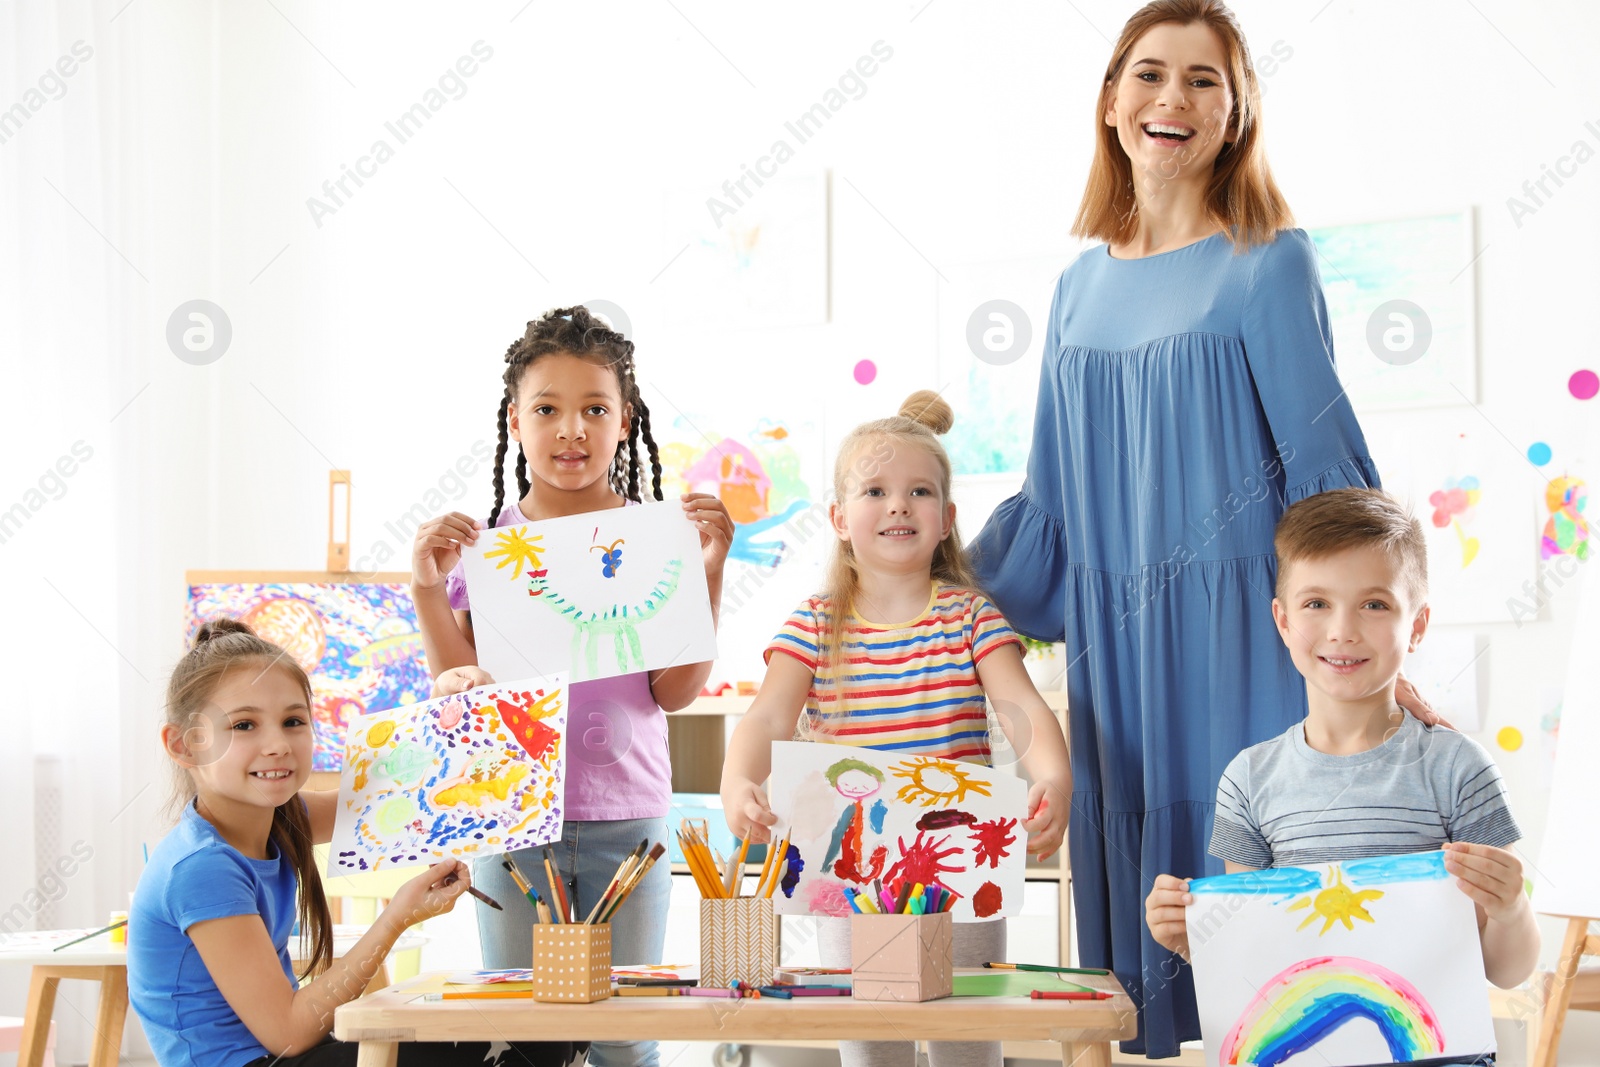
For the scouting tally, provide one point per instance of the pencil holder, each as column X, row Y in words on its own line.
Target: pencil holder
column 571, row 962
column 738, row 941
column 901, row 957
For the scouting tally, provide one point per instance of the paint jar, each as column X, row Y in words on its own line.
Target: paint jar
column 119, row 936
column 902, row 957
column 739, row 941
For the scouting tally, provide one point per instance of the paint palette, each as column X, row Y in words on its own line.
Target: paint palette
column 858, row 814
column 478, row 773
column 1367, row 962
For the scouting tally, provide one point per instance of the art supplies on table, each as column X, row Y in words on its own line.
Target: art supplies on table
column 811, row 976
column 92, row 933
column 719, row 879
column 1046, row 969
column 901, row 897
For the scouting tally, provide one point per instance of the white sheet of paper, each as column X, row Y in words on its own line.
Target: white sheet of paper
column 475, row 774
column 886, row 815
column 1370, row 961
column 597, row 595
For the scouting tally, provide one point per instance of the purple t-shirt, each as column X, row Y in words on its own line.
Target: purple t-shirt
column 617, row 761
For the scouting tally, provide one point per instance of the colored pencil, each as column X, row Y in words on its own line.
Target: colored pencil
column 95, row 933
column 692, row 859
column 778, row 866
column 766, row 867
column 735, row 886
column 1042, row 967
column 1063, row 994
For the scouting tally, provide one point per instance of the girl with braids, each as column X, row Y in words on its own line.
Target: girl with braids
column 918, row 686
column 208, row 960
column 572, row 405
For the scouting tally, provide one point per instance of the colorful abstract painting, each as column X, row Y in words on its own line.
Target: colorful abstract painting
column 759, row 482
column 858, row 814
column 589, row 596
column 1366, row 962
column 474, row 774
column 358, row 642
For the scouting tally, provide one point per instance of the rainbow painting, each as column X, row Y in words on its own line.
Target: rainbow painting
column 1369, row 960
column 1311, row 999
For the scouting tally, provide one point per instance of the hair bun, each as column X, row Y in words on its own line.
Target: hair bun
column 212, row 629
column 930, row 409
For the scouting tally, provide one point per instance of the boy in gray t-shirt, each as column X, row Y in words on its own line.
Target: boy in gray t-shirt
column 1359, row 777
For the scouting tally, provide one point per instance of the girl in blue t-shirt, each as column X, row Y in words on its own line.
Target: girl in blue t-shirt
column 208, row 933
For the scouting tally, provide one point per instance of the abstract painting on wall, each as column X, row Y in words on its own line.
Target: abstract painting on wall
column 589, row 596
column 858, row 814
column 1365, row 962
column 1402, row 309
column 358, row 641
column 477, row 773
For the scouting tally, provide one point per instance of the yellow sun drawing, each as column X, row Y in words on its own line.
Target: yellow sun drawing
column 937, row 781
column 1336, row 903
column 519, row 552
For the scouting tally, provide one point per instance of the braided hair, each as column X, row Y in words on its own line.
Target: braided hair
column 577, row 332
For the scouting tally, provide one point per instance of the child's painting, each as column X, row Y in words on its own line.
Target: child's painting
column 591, row 596
column 1366, row 962
column 858, row 814
column 478, row 773
column 1477, row 501
column 358, row 641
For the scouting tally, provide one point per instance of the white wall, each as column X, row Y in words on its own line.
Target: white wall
column 372, row 341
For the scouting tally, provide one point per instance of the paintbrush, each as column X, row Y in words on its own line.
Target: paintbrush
column 656, row 852
column 623, row 870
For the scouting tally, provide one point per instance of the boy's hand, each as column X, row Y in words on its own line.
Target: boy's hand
column 710, row 517
column 433, row 892
column 437, row 547
column 459, row 680
column 1164, row 912
column 1491, row 876
column 1048, row 801
column 744, row 806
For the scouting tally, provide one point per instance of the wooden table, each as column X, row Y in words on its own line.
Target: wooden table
column 98, row 960
column 1085, row 1029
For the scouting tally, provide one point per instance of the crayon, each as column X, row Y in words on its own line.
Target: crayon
column 1063, row 994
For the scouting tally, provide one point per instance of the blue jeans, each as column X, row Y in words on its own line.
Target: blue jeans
column 588, row 854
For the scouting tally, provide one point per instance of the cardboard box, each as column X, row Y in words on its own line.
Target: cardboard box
column 901, row 957
column 571, row 962
column 739, row 939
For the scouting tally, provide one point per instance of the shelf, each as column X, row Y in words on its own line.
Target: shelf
column 738, row 705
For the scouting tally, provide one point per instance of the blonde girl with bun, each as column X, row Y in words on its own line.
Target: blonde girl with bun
column 900, row 651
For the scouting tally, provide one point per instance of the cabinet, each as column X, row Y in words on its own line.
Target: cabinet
column 697, row 738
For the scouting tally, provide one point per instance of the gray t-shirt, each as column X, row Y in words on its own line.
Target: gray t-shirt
column 1284, row 804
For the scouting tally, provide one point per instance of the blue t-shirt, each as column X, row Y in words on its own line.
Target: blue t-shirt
column 195, row 875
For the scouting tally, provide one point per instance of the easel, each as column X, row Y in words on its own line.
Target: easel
column 1567, row 990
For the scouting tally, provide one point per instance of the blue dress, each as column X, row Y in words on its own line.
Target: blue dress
column 1185, row 400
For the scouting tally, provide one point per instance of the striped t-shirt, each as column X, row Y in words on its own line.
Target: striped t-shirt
column 909, row 686
column 1284, row 804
